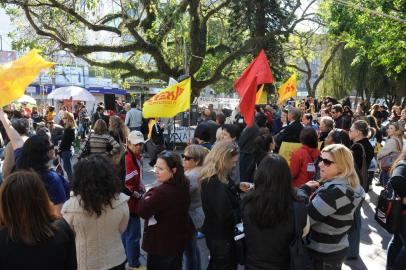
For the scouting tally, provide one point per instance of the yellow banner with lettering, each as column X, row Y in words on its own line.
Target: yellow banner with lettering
column 169, row 102
column 288, row 89
column 17, row 75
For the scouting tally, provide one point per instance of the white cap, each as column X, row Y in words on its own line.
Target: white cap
column 135, row 137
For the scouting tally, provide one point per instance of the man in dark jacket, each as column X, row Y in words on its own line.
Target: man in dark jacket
column 291, row 132
column 209, row 124
column 341, row 121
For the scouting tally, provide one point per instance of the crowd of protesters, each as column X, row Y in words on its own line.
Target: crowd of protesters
column 67, row 208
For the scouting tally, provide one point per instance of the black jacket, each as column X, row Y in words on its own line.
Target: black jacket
column 59, row 252
column 268, row 248
column 357, row 153
column 291, row 133
column 221, row 206
column 247, row 139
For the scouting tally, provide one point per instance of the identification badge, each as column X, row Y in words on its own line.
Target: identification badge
column 152, row 221
column 311, row 168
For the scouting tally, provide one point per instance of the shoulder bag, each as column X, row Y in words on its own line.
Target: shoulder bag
column 86, row 149
column 388, row 210
column 386, row 162
column 299, row 256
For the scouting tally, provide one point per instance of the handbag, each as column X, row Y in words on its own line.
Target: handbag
column 86, row 149
column 240, row 245
column 388, row 211
column 299, row 256
column 386, row 162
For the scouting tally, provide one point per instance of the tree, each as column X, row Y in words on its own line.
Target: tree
column 306, row 47
column 148, row 39
column 375, row 36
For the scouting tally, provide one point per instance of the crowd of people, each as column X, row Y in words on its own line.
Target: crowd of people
column 67, row 208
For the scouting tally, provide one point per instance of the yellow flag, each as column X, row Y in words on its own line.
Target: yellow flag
column 288, row 89
column 261, row 97
column 17, row 75
column 170, row 101
column 287, row 148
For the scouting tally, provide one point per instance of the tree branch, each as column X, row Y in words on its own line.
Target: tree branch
column 296, row 67
column 226, row 61
column 94, row 27
column 124, row 65
column 327, row 63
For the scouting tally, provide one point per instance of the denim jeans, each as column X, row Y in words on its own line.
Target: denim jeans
column 354, row 235
column 131, row 240
column 192, row 255
column 67, row 166
column 396, row 258
column 328, row 261
column 155, row 262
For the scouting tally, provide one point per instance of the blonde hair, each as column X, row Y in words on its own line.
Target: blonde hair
column 70, row 123
column 344, row 160
column 197, row 152
column 216, row 161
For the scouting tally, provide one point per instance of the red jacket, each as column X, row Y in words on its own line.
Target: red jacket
column 133, row 172
column 299, row 162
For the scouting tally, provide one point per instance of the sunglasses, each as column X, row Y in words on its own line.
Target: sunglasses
column 326, row 162
column 187, row 157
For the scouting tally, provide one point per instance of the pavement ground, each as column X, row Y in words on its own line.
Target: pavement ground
column 374, row 239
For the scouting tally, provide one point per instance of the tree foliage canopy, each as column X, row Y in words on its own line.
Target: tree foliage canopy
column 373, row 61
column 153, row 39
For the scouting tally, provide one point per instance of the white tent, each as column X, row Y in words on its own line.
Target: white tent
column 74, row 92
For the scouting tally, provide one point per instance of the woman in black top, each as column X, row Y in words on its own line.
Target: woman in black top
column 31, row 236
column 65, row 147
column 397, row 246
column 220, row 202
column 268, row 216
column 363, row 152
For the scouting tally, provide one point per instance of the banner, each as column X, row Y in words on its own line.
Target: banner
column 288, row 89
column 287, row 148
column 261, row 96
column 17, row 75
column 169, row 102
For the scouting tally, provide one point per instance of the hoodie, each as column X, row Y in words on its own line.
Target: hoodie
column 331, row 211
column 300, row 164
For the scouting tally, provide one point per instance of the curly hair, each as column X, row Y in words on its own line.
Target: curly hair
column 96, row 182
column 34, row 153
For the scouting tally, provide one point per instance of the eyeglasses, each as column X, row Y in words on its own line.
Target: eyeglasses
column 187, row 157
column 333, row 112
column 326, row 162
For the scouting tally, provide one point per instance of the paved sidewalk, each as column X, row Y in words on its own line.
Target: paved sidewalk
column 374, row 239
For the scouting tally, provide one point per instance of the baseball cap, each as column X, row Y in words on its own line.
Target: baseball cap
column 135, row 137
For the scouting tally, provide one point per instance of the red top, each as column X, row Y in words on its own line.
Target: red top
column 133, row 181
column 299, row 164
column 167, row 227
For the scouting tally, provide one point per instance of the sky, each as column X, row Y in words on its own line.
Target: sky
column 5, row 27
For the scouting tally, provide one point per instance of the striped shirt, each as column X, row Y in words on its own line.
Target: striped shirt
column 331, row 213
column 99, row 144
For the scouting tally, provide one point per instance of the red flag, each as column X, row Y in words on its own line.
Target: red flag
column 257, row 73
